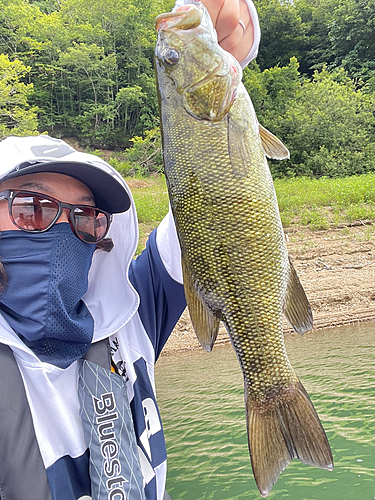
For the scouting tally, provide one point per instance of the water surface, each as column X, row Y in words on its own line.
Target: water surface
column 201, row 402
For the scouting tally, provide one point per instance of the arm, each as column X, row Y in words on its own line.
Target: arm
column 162, row 298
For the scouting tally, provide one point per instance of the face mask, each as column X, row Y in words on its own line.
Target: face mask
column 42, row 301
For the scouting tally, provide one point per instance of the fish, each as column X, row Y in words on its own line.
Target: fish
column 235, row 264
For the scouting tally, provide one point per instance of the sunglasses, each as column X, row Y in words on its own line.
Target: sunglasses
column 36, row 213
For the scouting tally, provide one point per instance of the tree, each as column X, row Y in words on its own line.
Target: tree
column 273, row 90
column 352, row 35
column 282, row 32
column 16, row 116
column 82, row 55
column 330, row 127
column 327, row 123
column 87, row 73
column 316, row 17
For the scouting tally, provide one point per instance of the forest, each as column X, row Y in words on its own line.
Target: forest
column 84, row 69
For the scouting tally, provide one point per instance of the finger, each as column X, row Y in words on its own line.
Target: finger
column 214, row 7
column 227, row 20
column 239, row 49
column 225, row 15
column 240, row 41
column 232, row 41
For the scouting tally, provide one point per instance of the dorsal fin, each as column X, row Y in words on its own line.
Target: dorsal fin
column 272, row 146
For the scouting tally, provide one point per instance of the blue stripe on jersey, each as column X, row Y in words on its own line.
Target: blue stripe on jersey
column 69, row 477
column 150, row 490
column 162, row 299
column 146, row 417
column 147, row 423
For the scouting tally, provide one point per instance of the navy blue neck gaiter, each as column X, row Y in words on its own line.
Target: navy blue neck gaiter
column 42, row 301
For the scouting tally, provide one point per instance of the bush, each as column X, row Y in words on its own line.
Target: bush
column 326, row 123
column 123, row 167
column 145, row 154
column 16, row 116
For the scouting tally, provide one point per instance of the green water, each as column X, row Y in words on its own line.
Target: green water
column 201, row 403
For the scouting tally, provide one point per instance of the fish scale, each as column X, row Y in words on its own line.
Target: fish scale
column 235, row 263
column 210, row 219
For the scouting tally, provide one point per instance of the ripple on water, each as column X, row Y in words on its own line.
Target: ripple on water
column 201, row 402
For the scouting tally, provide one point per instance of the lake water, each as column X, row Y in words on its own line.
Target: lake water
column 201, row 403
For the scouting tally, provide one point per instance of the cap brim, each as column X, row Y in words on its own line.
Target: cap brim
column 110, row 195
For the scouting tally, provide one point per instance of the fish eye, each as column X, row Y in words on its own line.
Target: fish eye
column 171, row 56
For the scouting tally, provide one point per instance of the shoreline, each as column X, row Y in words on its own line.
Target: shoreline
column 183, row 338
column 337, row 270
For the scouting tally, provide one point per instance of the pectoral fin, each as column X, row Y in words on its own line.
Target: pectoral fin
column 297, row 309
column 206, row 325
column 272, row 146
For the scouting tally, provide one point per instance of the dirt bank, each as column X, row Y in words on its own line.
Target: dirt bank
column 337, row 270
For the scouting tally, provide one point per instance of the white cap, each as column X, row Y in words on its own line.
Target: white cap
column 29, row 155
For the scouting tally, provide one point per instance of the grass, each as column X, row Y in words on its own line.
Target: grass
column 302, row 191
column 320, row 203
column 316, row 203
column 151, row 199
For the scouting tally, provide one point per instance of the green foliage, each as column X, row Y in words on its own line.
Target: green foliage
column 316, row 18
column 317, row 203
column 145, row 154
column 88, row 72
column 142, row 159
column 332, row 32
column 327, row 123
column 314, row 218
column 151, row 200
column 274, row 89
column 151, row 206
column 122, row 166
column 91, row 65
column 302, row 192
column 352, row 37
column 16, row 116
column 282, row 32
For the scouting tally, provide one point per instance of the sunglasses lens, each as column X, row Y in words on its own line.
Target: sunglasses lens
column 32, row 212
column 90, row 224
column 35, row 213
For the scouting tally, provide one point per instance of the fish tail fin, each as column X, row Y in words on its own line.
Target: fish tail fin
column 287, row 427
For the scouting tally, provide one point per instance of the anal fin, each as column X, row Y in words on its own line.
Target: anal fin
column 285, row 428
column 297, row 309
column 205, row 324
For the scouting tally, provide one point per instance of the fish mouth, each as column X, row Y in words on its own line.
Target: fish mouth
column 186, row 17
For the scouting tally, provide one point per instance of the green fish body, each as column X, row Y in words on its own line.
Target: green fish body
column 235, row 263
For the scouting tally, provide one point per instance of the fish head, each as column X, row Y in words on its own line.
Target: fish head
column 190, row 62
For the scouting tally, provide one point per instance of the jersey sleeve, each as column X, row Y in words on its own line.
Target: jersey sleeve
column 162, row 299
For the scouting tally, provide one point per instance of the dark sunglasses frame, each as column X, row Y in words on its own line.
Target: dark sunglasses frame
column 11, row 194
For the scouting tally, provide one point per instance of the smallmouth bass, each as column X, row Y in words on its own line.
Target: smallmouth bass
column 235, row 263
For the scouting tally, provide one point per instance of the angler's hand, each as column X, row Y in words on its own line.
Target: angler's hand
column 233, row 37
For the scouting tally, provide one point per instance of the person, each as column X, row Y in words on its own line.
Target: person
column 82, row 323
